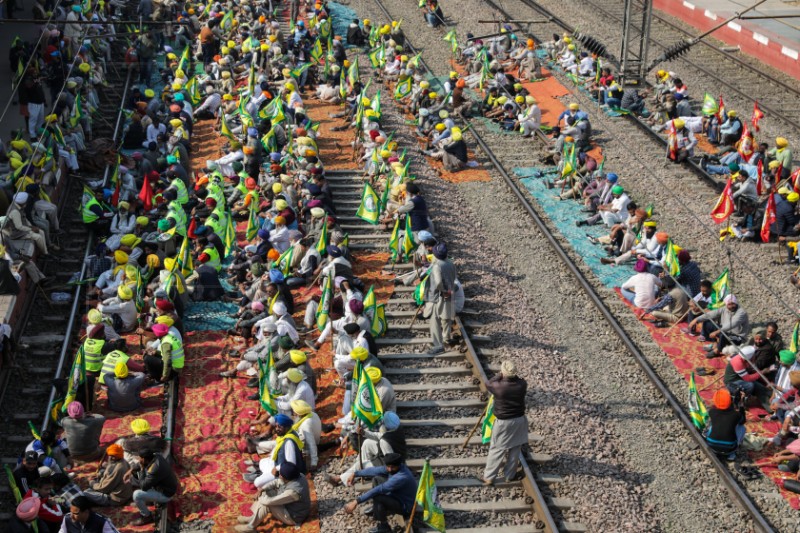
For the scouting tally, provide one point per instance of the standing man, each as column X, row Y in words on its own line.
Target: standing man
column 439, row 299
column 510, row 430
column 393, row 491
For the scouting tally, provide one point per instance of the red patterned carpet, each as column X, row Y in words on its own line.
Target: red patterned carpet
column 687, row 354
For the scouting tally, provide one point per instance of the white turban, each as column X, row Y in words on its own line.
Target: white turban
column 279, row 308
column 21, row 198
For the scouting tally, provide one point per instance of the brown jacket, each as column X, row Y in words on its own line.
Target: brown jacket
column 111, row 482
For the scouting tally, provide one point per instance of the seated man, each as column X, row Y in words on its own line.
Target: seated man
column 82, row 432
column 727, row 325
column 287, row 498
column 726, row 427
column 157, row 483
column 375, row 446
column 109, row 488
column 394, row 491
column 124, row 389
column 670, row 308
column 288, row 449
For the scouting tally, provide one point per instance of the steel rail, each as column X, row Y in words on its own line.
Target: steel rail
column 539, row 502
column 76, row 295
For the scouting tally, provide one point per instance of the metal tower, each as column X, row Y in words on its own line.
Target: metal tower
column 635, row 39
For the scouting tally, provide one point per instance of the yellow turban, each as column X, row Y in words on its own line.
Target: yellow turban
column 294, row 375
column 298, row 356
column 374, row 374
column 166, row 320
column 169, row 262
column 121, row 370
column 359, row 353
column 94, row 316
column 120, row 257
column 130, row 240
column 300, row 407
column 140, row 426
column 153, row 261
column 781, row 142
column 142, row 221
column 124, row 292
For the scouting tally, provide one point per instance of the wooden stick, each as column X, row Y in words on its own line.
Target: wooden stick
column 722, row 375
column 411, row 517
column 474, row 429
column 102, row 460
column 416, row 315
column 676, row 323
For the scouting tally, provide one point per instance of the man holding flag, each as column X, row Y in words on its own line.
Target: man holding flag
column 510, row 429
column 393, row 492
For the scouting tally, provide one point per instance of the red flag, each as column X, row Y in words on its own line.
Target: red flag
column 115, row 196
column 721, row 112
column 778, row 173
column 192, row 226
column 769, row 218
column 757, row 115
column 672, row 141
column 146, row 195
column 794, row 179
column 745, row 148
column 760, row 177
column 724, row 206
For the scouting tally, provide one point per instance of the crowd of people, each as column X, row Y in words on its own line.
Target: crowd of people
column 667, row 287
column 166, row 238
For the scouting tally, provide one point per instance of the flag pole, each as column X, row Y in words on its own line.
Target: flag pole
column 474, row 429
column 413, row 512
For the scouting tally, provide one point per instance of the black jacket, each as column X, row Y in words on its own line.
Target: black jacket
column 509, row 396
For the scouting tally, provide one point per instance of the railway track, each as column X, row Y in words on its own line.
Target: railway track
column 515, row 149
column 440, row 397
column 47, row 339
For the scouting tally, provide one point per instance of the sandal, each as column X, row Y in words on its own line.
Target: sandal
column 705, row 371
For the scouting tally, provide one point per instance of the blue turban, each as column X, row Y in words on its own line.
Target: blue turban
column 391, row 421
column 262, row 233
column 202, row 230
column 333, row 251
column 275, row 276
column 440, row 251
column 313, row 189
column 283, row 420
column 275, row 156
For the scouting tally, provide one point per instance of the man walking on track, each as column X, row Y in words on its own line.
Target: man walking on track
column 510, row 429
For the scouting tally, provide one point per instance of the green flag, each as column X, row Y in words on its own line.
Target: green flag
column 366, row 405
column 324, row 308
column 488, row 422
column 671, row 260
column 269, row 142
column 428, row 499
column 193, row 90
column 697, row 409
column 369, row 210
column 284, row 262
column 77, row 111
column 394, row 243
column 376, row 106
column 352, row 73
column 719, row 290
column 224, row 129
column 794, row 344
column 230, row 237
column 12, row 483
column 377, row 56
column 710, row 106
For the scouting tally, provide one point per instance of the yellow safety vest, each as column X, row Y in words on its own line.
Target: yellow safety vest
column 88, row 215
column 110, row 362
column 214, row 261
column 176, row 353
column 183, row 194
column 93, row 348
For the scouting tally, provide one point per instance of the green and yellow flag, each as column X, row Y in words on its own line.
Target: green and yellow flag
column 12, row 483
column 230, row 237
column 369, row 210
column 77, row 377
column 710, row 106
column 794, row 344
column 264, row 394
column 194, row 91
column 419, row 291
column 488, row 422
column 224, row 129
column 252, row 223
column 408, row 239
column 428, row 499
column 352, row 73
column 697, row 409
column 719, row 290
column 183, row 64
column 324, row 307
column 269, row 142
column 324, row 239
column 377, row 56
column 185, row 258
column 378, row 324
column 366, row 405
column 394, row 243
column 452, row 39
column 227, row 21
column 671, row 260
column 403, row 88
column 77, row 111
column 284, row 262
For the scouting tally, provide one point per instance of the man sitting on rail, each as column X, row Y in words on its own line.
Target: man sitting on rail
column 394, row 489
